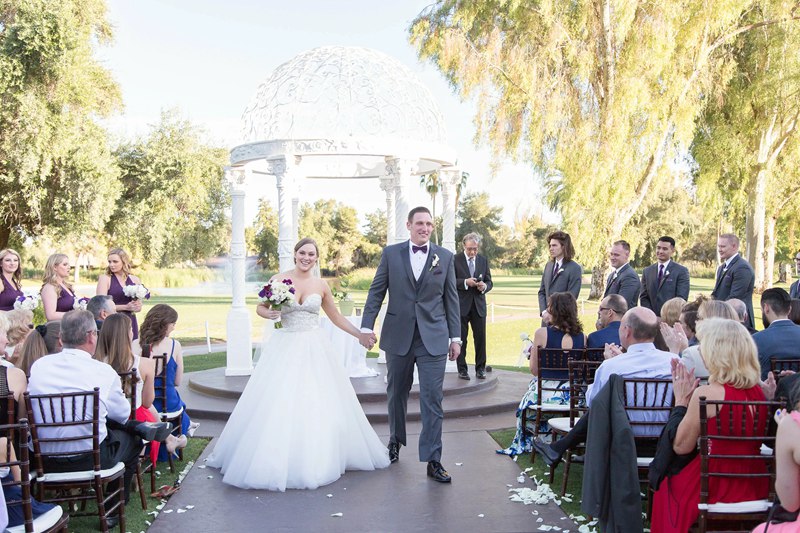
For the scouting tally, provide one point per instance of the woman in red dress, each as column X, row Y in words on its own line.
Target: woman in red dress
column 731, row 357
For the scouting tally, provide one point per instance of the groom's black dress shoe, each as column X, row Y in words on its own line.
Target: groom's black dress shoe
column 437, row 472
column 549, row 455
column 394, row 452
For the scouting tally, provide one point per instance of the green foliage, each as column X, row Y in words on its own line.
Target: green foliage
column 476, row 214
column 335, row 228
column 174, row 199
column 265, row 236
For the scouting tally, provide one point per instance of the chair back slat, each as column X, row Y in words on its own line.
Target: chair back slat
column 160, row 382
column 21, row 431
column 129, row 380
column 581, row 375
column 648, row 403
column 595, row 354
column 779, row 364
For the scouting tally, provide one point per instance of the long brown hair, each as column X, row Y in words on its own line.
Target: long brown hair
column 154, row 327
column 563, row 309
column 16, row 277
column 114, row 343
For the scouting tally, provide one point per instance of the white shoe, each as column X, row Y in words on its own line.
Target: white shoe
column 192, row 428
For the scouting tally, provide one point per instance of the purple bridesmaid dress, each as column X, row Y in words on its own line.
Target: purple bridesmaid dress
column 118, row 295
column 9, row 295
column 65, row 302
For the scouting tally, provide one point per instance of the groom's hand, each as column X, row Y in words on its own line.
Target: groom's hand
column 455, row 351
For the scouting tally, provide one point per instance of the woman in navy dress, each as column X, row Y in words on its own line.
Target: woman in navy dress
column 11, row 267
column 57, row 294
column 118, row 274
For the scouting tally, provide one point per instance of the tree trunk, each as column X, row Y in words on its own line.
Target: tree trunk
column 598, row 283
column 5, row 236
column 769, row 270
column 783, row 272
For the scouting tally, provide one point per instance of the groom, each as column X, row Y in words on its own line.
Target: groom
column 422, row 327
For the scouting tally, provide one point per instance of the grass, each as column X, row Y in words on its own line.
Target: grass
column 137, row 519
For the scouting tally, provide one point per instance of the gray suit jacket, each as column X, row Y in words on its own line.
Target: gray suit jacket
column 794, row 289
column 431, row 303
column 736, row 282
column 568, row 279
column 626, row 285
column 675, row 283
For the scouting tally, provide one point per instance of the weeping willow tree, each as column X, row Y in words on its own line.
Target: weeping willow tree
column 596, row 94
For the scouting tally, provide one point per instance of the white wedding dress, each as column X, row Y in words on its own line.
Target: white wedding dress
column 298, row 423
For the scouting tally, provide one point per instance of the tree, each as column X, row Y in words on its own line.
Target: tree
column 173, row 204
column 475, row 214
column 430, row 182
column 265, row 236
column 55, row 167
column 335, row 228
column 595, row 94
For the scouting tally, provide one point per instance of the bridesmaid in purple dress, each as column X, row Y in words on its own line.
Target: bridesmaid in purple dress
column 11, row 268
column 118, row 274
column 57, row 294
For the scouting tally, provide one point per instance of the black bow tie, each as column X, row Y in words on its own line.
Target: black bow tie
column 423, row 248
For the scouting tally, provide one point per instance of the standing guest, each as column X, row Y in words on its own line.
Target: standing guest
column 118, row 275
column 741, row 311
column 735, row 277
column 43, row 340
column 20, row 325
column 609, row 316
column 794, row 311
column 11, row 267
column 623, row 280
column 781, row 337
column 101, row 306
column 794, row 289
column 671, row 311
column 561, row 273
column 57, row 295
column 473, row 281
column 664, row 279
column 155, row 339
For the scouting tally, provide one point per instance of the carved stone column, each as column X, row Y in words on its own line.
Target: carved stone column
column 402, row 169
column 297, row 187
column 449, row 180
column 281, row 169
column 388, row 186
column 240, row 347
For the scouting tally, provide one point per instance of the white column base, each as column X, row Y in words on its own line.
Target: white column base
column 240, row 345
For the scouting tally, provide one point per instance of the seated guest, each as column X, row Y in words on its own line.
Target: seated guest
column 787, row 458
column 74, row 370
column 609, row 314
column 690, row 356
column 741, row 311
column 11, row 379
column 794, row 311
column 43, row 341
column 20, row 324
column 641, row 360
column 671, row 310
column 732, row 361
column 563, row 331
column 688, row 318
column 16, row 516
column 781, row 337
column 101, row 306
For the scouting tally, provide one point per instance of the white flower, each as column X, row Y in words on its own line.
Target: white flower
column 136, row 291
column 666, row 273
column 524, row 336
column 80, row 304
column 435, row 261
column 560, row 270
column 28, row 301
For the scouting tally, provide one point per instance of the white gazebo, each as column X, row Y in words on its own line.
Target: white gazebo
column 330, row 113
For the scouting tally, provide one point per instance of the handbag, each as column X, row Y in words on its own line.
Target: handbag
column 779, row 515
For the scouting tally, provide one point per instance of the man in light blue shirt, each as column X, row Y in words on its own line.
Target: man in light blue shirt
column 637, row 332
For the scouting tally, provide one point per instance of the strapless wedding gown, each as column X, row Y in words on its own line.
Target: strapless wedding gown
column 298, row 423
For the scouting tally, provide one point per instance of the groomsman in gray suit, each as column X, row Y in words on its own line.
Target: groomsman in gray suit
column 623, row 280
column 735, row 277
column 794, row 290
column 422, row 327
column 664, row 279
column 561, row 273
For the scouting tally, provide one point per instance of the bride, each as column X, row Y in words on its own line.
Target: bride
column 298, row 423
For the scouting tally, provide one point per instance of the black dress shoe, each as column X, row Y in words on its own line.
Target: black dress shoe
column 549, row 455
column 463, row 375
column 154, row 431
column 394, row 452
column 480, row 374
column 112, row 521
column 438, row 473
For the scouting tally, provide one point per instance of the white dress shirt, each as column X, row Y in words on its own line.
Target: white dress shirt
column 74, row 370
column 418, row 259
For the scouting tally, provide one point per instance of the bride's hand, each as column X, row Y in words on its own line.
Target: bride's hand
column 273, row 314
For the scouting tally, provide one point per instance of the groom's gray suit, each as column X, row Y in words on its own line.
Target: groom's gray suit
column 422, row 317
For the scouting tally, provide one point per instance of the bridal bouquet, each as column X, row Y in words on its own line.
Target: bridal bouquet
column 527, row 344
column 28, row 302
column 277, row 293
column 80, row 304
column 136, row 291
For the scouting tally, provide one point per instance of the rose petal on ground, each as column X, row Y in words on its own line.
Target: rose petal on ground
column 337, row 515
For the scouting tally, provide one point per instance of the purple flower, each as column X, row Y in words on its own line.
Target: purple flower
column 291, row 290
column 287, row 282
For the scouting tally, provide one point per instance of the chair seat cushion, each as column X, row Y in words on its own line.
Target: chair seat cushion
column 83, row 475
column 643, row 462
column 560, row 424
column 754, row 506
column 172, row 414
column 42, row 522
column 549, row 407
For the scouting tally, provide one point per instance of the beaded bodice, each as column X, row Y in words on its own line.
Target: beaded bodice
column 302, row 317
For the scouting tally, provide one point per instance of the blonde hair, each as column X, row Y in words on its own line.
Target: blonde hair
column 729, row 353
column 20, row 323
column 671, row 310
column 50, row 275
column 4, row 323
column 16, row 277
column 124, row 258
column 717, row 309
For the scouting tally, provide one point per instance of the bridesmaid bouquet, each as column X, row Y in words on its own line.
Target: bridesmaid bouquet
column 136, row 291
column 29, row 302
column 80, row 304
column 276, row 294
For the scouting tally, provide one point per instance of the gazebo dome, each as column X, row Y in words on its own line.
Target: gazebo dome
column 343, row 92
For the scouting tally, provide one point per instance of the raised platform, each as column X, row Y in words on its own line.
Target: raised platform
column 212, row 395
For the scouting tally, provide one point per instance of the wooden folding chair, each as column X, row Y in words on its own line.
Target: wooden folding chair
column 779, row 364
column 737, row 421
column 52, row 521
column 76, row 416
column 175, row 417
column 129, row 380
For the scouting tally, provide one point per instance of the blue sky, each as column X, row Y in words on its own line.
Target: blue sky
column 207, row 58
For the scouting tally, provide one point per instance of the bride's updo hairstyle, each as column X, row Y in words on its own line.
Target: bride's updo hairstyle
column 306, row 240
column 154, row 327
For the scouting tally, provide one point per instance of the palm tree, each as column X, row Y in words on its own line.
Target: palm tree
column 430, row 182
column 460, row 186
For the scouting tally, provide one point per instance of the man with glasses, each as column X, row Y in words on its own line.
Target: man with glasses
column 473, row 281
column 794, row 290
column 609, row 316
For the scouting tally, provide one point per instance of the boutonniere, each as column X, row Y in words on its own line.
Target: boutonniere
column 666, row 273
column 614, row 276
column 435, row 262
column 560, row 270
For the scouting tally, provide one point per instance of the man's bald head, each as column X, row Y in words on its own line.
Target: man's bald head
column 639, row 325
column 739, row 307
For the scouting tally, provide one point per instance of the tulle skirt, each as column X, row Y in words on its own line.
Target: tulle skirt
column 298, row 423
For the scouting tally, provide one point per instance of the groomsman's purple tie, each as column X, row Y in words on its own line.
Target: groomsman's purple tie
column 660, row 273
column 555, row 269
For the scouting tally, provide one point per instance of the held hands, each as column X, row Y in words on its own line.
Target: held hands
column 471, row 282
column 683, row 383
column 481, row 286
column 367, row 340
column 455, row 351
column 675, row 337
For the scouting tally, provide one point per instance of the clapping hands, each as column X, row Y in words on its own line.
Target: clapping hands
column 675, row 337
column 683, row 383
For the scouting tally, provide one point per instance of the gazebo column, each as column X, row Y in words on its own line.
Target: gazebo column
column 284, row 182
column 239, row 358
column 388, row 186
column 402, row 169
column 449, row 179
column 297, row 187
